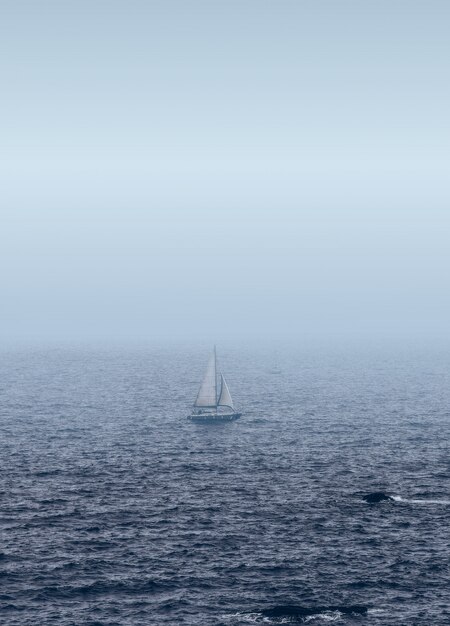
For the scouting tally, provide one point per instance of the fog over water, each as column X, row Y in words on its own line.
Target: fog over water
column 212, row 170
column 270, row 176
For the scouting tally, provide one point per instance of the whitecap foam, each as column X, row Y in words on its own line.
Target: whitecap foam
column 328, row 616
column 250, row 618
column 414, row 501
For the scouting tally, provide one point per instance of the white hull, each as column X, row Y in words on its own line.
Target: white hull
column 210, row 418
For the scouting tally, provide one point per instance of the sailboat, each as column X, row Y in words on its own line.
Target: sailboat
column 211, row 406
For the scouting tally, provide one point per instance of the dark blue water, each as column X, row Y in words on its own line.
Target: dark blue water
column 116, row 510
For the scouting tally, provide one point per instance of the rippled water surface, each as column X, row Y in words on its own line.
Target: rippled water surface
column 116, row 510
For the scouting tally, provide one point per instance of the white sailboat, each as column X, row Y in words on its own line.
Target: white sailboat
column 211, row 406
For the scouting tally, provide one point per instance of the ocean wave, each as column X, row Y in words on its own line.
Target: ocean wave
column 289, row 614
column 105, row 588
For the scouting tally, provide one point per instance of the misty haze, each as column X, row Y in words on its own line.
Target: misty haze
column 224, row 320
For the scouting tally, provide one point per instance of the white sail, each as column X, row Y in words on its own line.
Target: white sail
column 207, row 395
column 225, row 396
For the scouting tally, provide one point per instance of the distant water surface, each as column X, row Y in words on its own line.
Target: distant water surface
column 117, row 511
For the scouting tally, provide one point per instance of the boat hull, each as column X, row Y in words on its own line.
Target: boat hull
column 214, row 418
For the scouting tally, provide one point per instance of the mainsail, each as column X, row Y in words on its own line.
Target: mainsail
column 225, row 396
column 207, row 395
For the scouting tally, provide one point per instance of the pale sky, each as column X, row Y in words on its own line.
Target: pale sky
column 224, row 168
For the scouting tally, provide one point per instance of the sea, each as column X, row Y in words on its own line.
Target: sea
column 115, row 510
